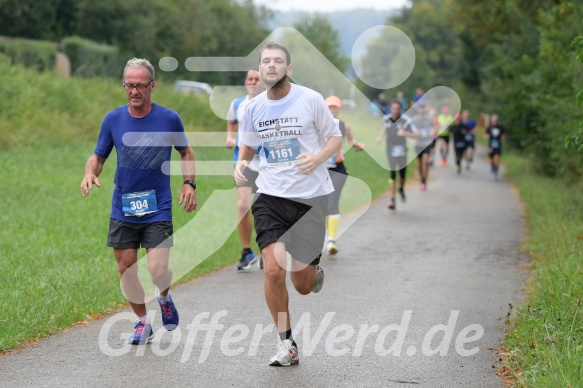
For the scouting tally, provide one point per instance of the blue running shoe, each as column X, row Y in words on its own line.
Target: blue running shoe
column 247, row 260
column 170, row 316
column 142, row 335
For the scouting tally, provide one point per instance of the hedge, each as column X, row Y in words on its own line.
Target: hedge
column 36, row 54
column 91, row 59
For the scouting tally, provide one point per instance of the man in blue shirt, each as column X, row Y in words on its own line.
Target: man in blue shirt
column 419, row 95
column 143, row 134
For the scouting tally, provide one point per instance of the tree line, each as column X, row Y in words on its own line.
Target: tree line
column 158, row 28
column 145, row 28
column 511, row 57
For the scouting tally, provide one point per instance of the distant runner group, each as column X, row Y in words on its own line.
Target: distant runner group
column 430, row 131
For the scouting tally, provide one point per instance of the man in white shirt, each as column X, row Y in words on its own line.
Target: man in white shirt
column 297, row 134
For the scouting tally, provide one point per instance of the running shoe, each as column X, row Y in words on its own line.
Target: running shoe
column 443, row 162
column 286, row 356
column 170, row 316
column 247, row 260
column 319, row 279
column 332, row 247
column 459, row 169
column 423, row 186
column 142, row 335
column 392, row 205
column 402, row 193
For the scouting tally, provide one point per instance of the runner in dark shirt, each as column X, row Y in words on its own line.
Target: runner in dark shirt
column 495, row 133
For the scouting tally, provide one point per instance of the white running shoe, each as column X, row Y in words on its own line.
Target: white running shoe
column 286, row 356
column 319, row 279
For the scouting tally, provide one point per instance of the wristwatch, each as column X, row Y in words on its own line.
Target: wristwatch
column 190, row 182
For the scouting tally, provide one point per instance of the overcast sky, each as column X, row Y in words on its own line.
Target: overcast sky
column 330, row 5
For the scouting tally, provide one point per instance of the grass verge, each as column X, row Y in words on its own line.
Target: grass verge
column 544, row 346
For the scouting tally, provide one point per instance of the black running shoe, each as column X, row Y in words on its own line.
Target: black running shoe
column 402, row 193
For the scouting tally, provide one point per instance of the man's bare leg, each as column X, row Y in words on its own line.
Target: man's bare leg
column 274, row 266
column 130, row 283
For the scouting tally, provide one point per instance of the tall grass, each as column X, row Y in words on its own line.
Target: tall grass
column 47, row 108
column 545, row 345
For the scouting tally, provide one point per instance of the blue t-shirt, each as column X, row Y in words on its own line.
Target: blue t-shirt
column 147, row 144
column 469, row 126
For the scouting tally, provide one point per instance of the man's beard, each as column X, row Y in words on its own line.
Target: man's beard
column 277, row 84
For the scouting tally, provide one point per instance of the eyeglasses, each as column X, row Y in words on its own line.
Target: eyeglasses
column 138, row 87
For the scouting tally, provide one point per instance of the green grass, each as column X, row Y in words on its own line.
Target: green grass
column 56, row 267
column 49, row 109
column 545, row 345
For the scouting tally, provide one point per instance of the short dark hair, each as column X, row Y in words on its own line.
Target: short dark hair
column 397, row 102
column 275, row 45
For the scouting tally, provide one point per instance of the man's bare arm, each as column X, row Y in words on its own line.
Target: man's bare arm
column 93, row 169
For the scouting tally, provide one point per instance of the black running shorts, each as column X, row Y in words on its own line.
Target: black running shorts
column 421, row 151
column 494, row 151
column 444, row 138
column 299, row 223
column 125, row 235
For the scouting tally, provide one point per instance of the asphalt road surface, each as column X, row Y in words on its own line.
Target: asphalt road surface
column 418, row 297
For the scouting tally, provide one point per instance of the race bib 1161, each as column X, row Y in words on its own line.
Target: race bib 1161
column 281, row 152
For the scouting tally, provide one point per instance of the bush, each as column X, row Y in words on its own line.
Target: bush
column 91, row 59
column 36, row 54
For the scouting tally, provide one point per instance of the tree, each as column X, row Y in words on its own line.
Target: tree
column 425, row 22
column 387, row 61
column 221, row 28
column 528, row 73
column 26, row 18
column 576, row 138
column 319, row 31
column 438, row 48
column 142, row 28
column 312, row 67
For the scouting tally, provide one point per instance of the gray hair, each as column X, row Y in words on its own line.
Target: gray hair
column 140, row 62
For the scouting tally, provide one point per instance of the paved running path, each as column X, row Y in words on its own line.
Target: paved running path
column 452, row 248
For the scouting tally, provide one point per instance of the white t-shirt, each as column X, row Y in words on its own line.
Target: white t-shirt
column 298, row 123
column 237, row 117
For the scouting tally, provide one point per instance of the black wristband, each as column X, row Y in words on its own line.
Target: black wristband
column 190, row 182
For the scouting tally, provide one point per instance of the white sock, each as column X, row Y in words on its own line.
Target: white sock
column 144, row 318
column 162, row 298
